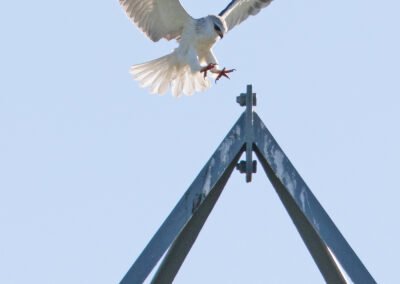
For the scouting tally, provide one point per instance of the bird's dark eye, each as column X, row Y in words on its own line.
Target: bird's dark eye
column 217, row 28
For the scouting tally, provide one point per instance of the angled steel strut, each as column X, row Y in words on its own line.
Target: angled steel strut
column 334, row 257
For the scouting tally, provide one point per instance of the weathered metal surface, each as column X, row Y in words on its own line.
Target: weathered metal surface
column 184, row 242
column 330, row 250
column 216, row 168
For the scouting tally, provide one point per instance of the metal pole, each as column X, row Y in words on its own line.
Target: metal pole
column 329, row 249
column 217, row 168
column 185, row 240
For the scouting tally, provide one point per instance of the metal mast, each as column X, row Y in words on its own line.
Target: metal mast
column 329, row 249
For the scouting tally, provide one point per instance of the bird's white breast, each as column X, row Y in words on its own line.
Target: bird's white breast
column 205, row 44
column 198, row 37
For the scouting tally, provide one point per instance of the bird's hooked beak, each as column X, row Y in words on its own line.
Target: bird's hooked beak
column 221, row 35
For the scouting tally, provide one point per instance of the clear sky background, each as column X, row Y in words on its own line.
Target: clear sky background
column 91, row 164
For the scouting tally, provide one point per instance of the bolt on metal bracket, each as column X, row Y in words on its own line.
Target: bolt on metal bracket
column 248, row 99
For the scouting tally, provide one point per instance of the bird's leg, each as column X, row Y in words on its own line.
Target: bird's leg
column 207, row 68
column 222, row 72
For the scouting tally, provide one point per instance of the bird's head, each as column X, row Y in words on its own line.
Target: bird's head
column 218, row 25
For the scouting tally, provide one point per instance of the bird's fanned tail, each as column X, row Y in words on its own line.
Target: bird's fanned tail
column 167, row 72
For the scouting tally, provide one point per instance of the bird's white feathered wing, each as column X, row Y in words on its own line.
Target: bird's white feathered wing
column 157, row 18
column 169, row 72
column 164, row 19
column 239, row 10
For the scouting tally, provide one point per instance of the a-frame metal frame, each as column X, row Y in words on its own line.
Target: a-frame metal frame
column 334, row 257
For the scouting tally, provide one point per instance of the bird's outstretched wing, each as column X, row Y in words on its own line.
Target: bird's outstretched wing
column 239, row 10
column 157, row 18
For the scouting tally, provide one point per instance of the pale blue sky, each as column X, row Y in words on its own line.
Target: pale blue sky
column 91, row 164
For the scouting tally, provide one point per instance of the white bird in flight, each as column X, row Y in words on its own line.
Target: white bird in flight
column 185, row 69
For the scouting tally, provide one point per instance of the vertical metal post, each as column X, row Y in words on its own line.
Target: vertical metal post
column 248, row 99
column 249, row 133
